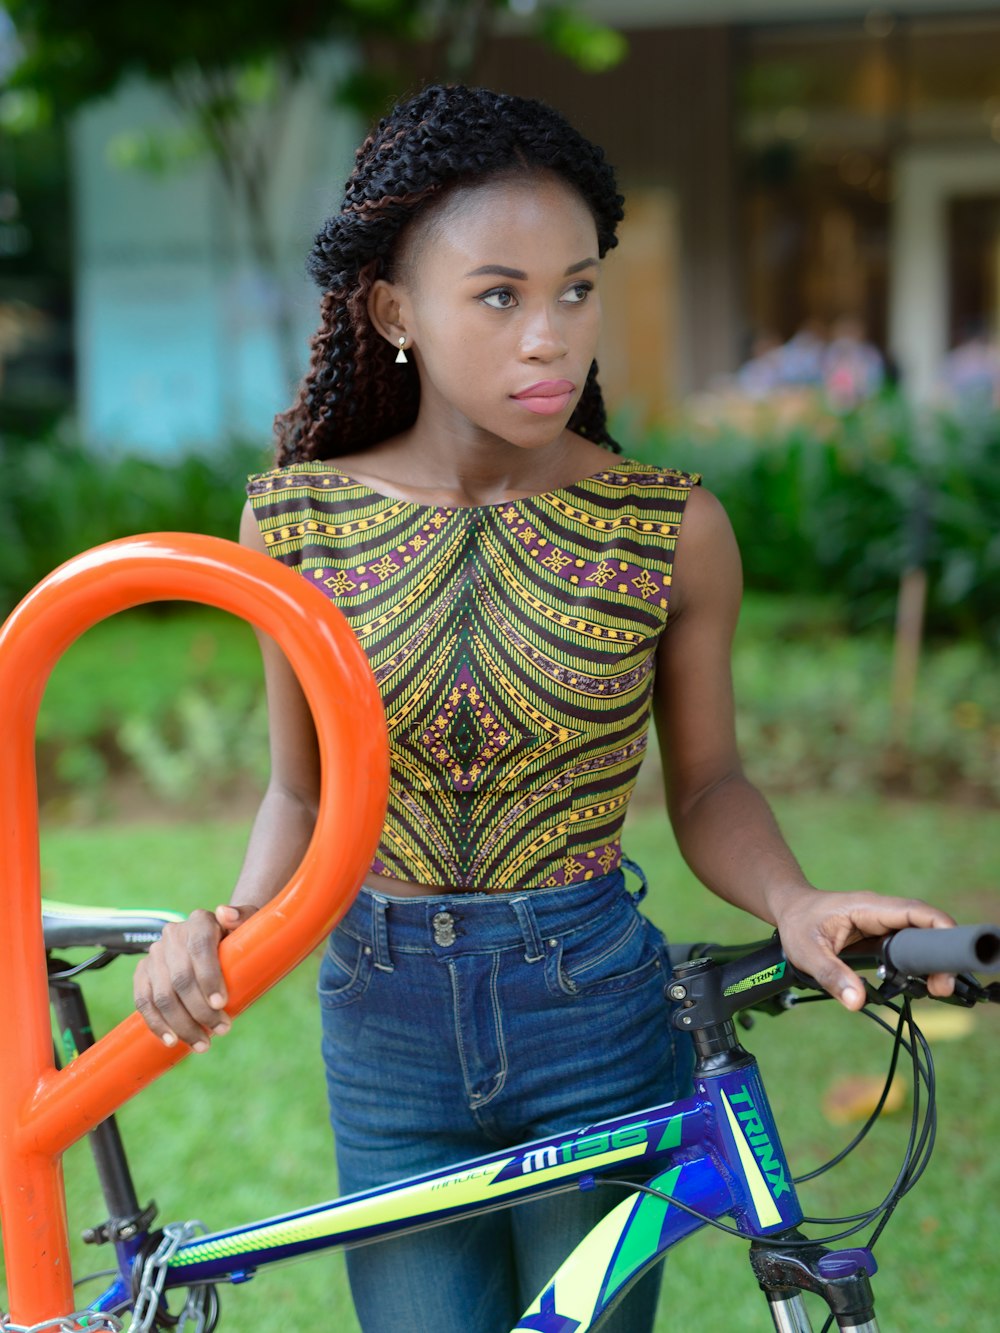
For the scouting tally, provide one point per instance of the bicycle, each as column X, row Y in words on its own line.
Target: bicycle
column 713, row 1155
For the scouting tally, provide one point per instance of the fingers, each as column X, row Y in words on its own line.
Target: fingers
column 839, row 980
column 886, row 914
column 179, row 988
column 818, row 927
column 941, row 985
column 876, row 915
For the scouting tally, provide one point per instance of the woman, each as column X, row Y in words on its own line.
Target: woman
column 446, row 477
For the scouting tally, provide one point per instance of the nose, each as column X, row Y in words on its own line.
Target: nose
column 542, row 337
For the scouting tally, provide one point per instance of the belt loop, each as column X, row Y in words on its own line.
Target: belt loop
column 525, row 913
column 380, row 934
column 636, row 870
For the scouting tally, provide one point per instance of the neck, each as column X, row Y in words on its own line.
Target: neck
column 474, row 467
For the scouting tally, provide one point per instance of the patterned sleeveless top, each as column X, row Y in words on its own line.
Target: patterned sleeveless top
column 514, row 649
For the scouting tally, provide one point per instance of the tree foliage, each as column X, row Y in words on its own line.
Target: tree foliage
column 232, row 71
column 73, row 51
column 76, row 50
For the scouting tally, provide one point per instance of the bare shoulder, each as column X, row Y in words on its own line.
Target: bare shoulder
column 250, row 533
column 590, row 457
column 705, row 518
column 707, row 559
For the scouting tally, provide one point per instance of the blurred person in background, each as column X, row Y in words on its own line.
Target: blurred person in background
column 853, row 368
column 801, row 358
column 970, row 373
column 760, row 375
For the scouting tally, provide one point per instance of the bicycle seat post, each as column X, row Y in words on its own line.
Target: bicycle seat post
column 126, row 1218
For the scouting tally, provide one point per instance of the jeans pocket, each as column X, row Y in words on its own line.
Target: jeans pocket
column 616, row 955
column 345, row 971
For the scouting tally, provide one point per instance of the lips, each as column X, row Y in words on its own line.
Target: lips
column 547, row 397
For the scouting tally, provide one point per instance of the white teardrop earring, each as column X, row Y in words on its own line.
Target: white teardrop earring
column 401, row 357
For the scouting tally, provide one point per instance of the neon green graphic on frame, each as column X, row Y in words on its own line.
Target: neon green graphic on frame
column 607, row 1257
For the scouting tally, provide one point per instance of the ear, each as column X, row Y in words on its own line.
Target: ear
column 386, row 311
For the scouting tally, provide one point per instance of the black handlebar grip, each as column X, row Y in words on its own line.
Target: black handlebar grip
column 917, row 953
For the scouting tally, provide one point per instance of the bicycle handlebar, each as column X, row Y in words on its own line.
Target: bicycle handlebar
column 715, row 983
column 914, row 951
column 918, row 953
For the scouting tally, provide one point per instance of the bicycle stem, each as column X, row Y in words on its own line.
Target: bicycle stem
column 711, row 994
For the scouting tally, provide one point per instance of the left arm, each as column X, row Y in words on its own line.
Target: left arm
column 724, row 827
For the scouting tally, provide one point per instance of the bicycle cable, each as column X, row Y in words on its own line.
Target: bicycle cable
column 922, row 1073
column 872, row 1118
column 920, row 1143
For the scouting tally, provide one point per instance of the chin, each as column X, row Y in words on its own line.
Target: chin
column 537, row 434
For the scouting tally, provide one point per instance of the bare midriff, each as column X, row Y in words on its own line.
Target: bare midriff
column 401, row 888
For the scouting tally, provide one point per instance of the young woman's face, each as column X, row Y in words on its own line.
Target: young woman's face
column 501, row 304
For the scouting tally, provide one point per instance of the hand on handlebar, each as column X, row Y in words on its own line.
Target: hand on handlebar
column 815, row 928
column 179, row 988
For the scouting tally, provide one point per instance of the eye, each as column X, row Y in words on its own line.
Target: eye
column 578, row 293
column 500, row 298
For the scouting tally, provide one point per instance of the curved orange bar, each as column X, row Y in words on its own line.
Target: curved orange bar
column 43, row 1110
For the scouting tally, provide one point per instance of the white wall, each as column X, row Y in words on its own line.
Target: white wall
column 925, row 180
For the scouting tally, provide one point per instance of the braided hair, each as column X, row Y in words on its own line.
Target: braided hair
column 353, row 395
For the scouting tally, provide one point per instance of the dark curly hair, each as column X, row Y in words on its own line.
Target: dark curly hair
column 353, row 395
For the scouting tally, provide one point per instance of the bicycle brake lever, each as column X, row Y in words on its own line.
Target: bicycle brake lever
column 967, row 993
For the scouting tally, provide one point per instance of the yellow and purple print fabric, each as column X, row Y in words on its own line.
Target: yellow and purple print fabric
column 514, row 649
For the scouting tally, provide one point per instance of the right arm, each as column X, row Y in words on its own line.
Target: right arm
column 178, row 987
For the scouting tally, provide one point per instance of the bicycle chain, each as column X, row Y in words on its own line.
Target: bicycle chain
column 154, row 1276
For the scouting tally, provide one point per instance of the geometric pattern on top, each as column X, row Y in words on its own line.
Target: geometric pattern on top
column 513, row 646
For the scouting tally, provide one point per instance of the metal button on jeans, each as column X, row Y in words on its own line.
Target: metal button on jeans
column 444, row 928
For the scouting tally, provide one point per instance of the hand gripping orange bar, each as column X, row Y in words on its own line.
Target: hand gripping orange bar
column 43, row 1110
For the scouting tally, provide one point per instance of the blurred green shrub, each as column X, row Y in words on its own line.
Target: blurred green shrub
column 199, row 746
column 60, row 498
column 813, row 710
column 820, row 502
column 843, row 504
column 163, row 710
column 829, row 508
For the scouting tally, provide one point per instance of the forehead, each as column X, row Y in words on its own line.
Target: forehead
column 505, row 221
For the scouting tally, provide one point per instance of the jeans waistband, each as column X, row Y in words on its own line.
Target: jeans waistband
column 461, row 923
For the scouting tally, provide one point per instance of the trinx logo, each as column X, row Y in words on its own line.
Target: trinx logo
column 757, row 1136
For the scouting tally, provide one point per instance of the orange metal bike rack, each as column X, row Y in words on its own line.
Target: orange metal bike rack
column 42, row 1109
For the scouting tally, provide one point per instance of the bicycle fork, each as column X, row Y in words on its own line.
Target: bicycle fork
column 840, row 1277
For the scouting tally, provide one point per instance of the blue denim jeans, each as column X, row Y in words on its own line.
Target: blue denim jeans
column 520, row 1015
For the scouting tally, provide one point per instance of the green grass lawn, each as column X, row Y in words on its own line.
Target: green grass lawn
column 241, row 1132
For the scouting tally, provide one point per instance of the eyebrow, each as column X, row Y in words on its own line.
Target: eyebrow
column 502, row 271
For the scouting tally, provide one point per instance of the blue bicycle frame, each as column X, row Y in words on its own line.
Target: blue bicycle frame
column 718, row 1152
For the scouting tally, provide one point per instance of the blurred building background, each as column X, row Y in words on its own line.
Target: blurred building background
column 787, row 164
